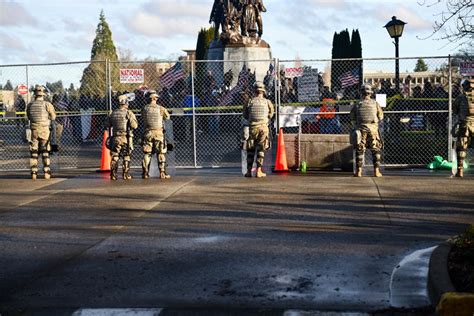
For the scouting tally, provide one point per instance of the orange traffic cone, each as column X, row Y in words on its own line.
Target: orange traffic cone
column 281, row 162
column 105, row 160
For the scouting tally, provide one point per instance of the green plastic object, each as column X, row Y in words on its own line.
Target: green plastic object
column 303, row 167
column 440, row 163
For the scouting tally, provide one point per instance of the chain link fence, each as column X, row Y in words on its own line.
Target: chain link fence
column 312, row 97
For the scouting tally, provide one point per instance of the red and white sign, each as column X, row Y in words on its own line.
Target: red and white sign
column 22, row 89
column 293, row 72
column 467, row 68
column 132, row 75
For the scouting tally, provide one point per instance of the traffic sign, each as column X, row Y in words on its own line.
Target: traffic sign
column 22, row 89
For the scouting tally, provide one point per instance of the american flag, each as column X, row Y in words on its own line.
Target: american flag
column 64, row 120
column 172, row 75
column 271, row 69
column 349, row 78
column 228, row 97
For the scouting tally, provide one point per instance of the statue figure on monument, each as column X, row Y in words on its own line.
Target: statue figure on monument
column 219, row 16
column 251, row 21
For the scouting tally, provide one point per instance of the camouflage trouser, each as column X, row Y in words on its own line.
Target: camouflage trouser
column 464, row 138
column 119, row 147
column 39, row 144
column 258, row 142
column 153, row 142
column 369, row 138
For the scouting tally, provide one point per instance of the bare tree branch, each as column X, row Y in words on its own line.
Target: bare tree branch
column 455, row 21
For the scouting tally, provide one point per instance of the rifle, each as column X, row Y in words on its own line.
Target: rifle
column 129, row 136
column 52, row 136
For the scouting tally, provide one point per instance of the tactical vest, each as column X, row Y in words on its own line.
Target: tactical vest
column 258, row 110
column 466, row 107
column 37, row 113
column 367, row 112
column 470, row 101
column 152, row 117
column 119, row 120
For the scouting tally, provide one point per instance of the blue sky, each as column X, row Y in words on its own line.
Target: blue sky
column 63, row 30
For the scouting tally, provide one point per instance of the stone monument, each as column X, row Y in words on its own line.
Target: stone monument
column 240, row 43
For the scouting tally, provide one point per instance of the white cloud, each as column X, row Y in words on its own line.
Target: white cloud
column 415, row 21
column 154, row 25
column 14, row 14
column 9, row 43
column 337, row 4
column 165, row 18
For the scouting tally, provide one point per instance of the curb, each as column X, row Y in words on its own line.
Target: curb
column 439, row 281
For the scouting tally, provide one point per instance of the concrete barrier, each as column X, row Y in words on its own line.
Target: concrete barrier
column 320, row 151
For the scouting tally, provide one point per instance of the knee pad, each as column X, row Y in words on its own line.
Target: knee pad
column 461, row 154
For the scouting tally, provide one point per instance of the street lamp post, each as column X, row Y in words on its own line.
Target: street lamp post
column 395, row 30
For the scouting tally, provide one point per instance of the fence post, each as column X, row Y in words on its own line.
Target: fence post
column 28, row 85
column 108, row 84
column 194, row 114
column 450, row 109
column 277, row 93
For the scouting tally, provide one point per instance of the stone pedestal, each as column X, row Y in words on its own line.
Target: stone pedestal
column 256, row 55
column 257, row 59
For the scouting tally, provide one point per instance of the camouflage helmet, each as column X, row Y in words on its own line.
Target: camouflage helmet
column 152, row 94
column 258, row 86
column 123, row 99
column 367, row 89
column 39, row 90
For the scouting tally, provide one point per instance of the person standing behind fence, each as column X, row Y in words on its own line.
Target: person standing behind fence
column 365, row 118
column 153, row 116
column 258, row 111
column 40, row 113
column 123, row 122
column 463, row 107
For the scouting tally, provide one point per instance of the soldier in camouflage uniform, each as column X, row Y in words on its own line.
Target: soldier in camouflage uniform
column 463, row 107
column 40, row 113
column 258, row 113
column 365, row 118
column 153, row 115
column 123, row 122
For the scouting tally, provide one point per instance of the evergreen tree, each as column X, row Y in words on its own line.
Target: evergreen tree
column 346, row 46
column 420, row 65
column 93, row 82
column 205, row 37
column 8, row 86
column 356, row 52
column 55, row 87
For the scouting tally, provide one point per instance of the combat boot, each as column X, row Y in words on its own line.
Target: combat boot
column 460, row 173
column 260, row 173
column 126, row 171
column 145, row 174
column 163, row 175
column 249, row 173
column 47, row 175
column 33, row 175
column 358, row 172
column 377, row 172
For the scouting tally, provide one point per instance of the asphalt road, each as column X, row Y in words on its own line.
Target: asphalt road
column 212, row 238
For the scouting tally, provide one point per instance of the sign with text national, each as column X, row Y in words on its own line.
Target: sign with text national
column 132, row 76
